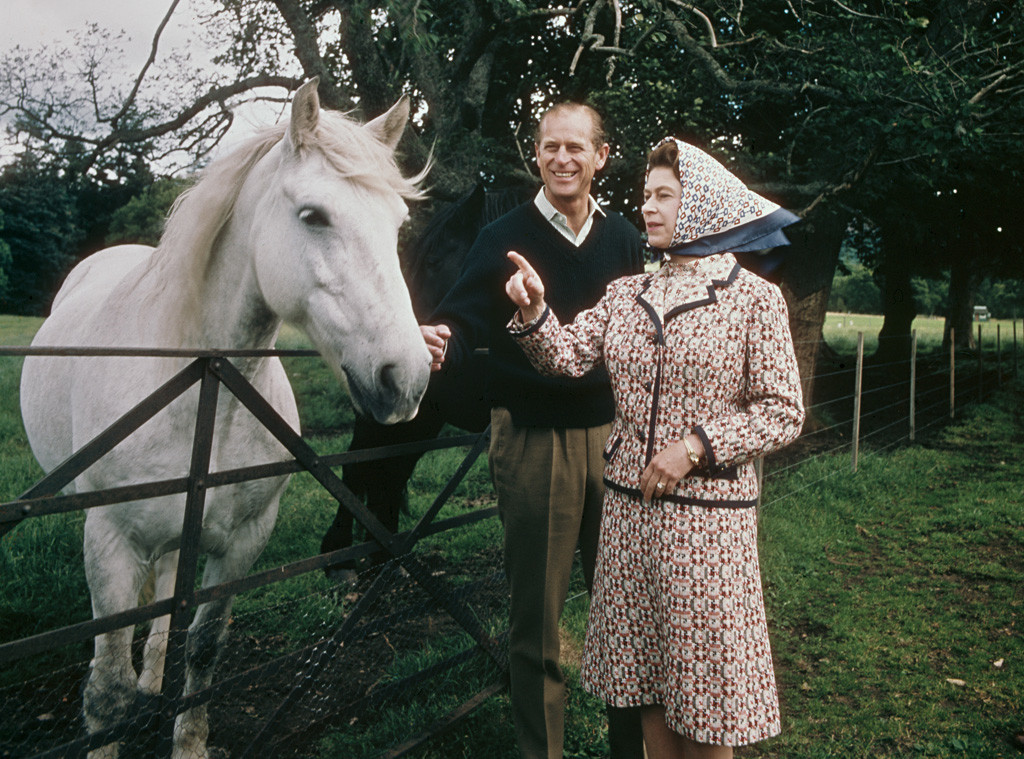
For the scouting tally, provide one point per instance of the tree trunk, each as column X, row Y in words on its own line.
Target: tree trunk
column 964, row 279
column 898, row 304
column 806, row 281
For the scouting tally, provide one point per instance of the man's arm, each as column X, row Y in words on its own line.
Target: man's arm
column 461, row 321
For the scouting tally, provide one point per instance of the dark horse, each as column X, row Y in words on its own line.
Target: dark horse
column 459, row 399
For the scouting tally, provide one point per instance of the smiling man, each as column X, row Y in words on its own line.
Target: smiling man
column 547, row 434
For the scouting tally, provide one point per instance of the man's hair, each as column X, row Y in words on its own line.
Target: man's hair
column 666, row 154
column 597, row 133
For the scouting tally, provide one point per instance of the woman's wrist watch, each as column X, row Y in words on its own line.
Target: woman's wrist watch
column 694, row 458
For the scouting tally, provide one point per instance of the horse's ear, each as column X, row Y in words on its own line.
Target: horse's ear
column 305, row 113
column 388, row 127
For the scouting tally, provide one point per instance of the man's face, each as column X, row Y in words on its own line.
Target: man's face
column 566, row 155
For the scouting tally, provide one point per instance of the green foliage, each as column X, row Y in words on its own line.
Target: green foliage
column 1004, row 297
column 56, row 209
column 856, row 292
column 930, row 295
column 41, row 229
column 141, row 219
column 5, row 262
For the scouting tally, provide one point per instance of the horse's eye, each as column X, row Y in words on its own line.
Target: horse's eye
column 314, row 217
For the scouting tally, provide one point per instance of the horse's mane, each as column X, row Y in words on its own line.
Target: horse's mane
column 200, row 213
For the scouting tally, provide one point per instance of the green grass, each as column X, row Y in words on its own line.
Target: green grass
column 840, row 332
column 885, row 590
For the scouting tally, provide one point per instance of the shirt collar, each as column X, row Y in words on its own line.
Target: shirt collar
column 559, row 221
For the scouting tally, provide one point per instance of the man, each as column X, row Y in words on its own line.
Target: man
column 547, row 434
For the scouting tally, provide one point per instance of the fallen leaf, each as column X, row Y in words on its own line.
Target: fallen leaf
column 998, row 663
column 956, row 681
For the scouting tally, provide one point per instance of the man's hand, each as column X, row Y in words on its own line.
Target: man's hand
column 525, row 289
column 436, row 337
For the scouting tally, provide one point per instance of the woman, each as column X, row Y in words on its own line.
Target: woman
column 705, row 381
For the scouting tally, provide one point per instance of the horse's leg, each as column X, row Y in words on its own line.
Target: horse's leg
column 155, row 652
column 208, row 630
column 115, row 574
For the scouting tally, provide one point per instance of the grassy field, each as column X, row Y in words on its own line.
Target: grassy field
column 840, row 331
column 895, row 596
column 895, row 601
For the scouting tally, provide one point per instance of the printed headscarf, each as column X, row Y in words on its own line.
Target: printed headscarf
column 718, row 213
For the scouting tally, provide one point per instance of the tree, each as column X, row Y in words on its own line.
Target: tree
column 826, row 106
column 856, row 292
column 40, row 228
column 5, row 263
column 141, row 219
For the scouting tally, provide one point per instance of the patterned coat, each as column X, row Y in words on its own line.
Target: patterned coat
column 703, row 346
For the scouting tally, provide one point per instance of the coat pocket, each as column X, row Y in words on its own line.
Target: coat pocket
column 722, row 473
column 611, row 447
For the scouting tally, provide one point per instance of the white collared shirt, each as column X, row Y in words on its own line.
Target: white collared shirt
column 558, row 220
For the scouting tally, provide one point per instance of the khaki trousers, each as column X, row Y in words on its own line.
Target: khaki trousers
column 550, row 490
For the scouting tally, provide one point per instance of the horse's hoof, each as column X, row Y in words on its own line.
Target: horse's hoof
column 341, row 575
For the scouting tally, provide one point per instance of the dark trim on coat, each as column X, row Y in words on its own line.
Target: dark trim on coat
column 537, row 324
column 684, row 500
column 610, row 450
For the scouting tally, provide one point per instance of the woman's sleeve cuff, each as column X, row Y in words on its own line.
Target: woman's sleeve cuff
column 518, row 328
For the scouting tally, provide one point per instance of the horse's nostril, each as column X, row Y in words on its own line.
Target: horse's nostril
column 388, row 377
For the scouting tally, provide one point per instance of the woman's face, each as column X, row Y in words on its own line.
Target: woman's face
column 662, row 196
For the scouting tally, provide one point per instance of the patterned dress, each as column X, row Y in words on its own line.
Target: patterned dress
column 677, row 615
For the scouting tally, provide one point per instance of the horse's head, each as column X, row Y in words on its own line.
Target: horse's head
column 324, row 232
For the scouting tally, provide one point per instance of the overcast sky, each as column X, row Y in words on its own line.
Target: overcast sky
column 33, row 23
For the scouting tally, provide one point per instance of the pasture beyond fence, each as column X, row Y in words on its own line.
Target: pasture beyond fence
column 418, row 641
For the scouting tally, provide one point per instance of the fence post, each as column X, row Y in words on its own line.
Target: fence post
column 913, row 380
column 999, row 358
column 856, row 398
column 981, row 366
column 1014, row 349
column 952, row 372
column 188, row 558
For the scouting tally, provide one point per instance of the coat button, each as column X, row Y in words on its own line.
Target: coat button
column 647, row 386
column 643, row 436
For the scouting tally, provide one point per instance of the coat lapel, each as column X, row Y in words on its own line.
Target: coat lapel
column 698, row 287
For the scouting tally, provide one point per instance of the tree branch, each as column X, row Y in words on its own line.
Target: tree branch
column 856, row 13
column 851, row 179
column 986, row 89
column 726, row 81
column 130, row 100
column 307, row 49
column 707, row 21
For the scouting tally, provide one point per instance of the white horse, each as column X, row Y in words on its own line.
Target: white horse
column 301, row 224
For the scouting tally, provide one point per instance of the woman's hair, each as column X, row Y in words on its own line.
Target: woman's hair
column 666, row 154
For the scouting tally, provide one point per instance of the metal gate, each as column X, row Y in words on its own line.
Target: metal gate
column 303, row 667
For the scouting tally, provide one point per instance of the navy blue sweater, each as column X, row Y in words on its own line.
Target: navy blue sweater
column 477, row 310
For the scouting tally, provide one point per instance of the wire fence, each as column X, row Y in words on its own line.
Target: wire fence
column 379, row 667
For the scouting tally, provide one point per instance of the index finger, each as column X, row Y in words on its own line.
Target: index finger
column 522, row 263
